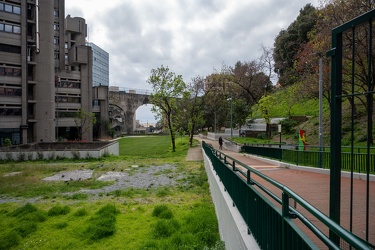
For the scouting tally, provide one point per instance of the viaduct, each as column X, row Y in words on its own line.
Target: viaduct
column 123, row 104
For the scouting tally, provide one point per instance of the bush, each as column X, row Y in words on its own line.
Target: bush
column 202, row 223
column 102, row 224
column 262, row 136
column 162, row 211
column 288, row 125
column 81, row 212
column 25, row 228
column 9, row 240
column 58, row 210
column 25, row 209
column 165, row 228
column 7, row 142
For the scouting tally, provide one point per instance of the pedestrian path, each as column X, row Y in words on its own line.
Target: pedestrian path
column 314, row 188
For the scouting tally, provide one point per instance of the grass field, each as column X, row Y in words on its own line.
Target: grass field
column 35, row 214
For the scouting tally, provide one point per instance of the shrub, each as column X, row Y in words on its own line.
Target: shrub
column 58, row 210
column 162, row 192
column 262, row 136
column 81, row 212
column 102, row 224
column 30, row 156
column 8, row 156
column 21, row 156
column 202, row 223
column 165, row 228
column 60, row 225
column 7, row 142
column 288, row 126
column 76, row 155
column 9, row 240
column 25, row 209
column 39, row 155
column 25, row 228
column 162, row 211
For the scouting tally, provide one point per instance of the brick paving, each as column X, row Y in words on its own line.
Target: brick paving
column 314, row 188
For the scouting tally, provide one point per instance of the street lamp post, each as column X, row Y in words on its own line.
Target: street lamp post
column 215, row 122
column 231, row 116
column 320, row 109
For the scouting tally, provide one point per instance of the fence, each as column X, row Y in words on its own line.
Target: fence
column 272, row 226
column 350, row 161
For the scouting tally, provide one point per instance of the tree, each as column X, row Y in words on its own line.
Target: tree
column 194, row 104
column 289, row 42
column 217, row 90
column 249, row 77
column 84, row 121
column 167, row 87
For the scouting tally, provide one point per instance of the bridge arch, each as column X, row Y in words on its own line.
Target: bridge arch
column 129, row 100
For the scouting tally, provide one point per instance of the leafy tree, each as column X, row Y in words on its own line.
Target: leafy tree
column 265, row 104
column 289, row 42
column 249, row 77
column 194, row 104
column 167, row 87
column 240, row 112
column 217, row 91
column 84, row 121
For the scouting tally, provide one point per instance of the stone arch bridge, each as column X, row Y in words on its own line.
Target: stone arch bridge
column 123, row 104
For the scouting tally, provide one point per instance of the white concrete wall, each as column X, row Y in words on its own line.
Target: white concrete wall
column 233, row 229
column 112, row 149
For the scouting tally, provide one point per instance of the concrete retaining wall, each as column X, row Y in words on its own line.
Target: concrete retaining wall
column 111, row 148
column 233, row 229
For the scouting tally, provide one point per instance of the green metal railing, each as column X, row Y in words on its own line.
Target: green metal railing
column 311, row 158
column 352, row 82
column 272, row 227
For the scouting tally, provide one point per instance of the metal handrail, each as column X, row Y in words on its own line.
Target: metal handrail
column 340, row 231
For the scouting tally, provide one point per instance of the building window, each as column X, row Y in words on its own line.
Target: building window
column 10, row 111
column 10, row 28
column 10, row 91
column 10, row 48
column 68, row 99
column 56, row 26
column 10, row 8
column 16, row 29
column 56, row 40
column 7, row 71
column 56, row 13
column 69, row 84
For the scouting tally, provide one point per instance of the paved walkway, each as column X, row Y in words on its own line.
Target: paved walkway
column 314, row 188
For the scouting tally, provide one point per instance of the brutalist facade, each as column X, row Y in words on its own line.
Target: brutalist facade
column 45, row 73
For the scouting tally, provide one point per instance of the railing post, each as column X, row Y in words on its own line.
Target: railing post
column 234, row 165
column 248, row 178
column 285, row 205
column 285, row 213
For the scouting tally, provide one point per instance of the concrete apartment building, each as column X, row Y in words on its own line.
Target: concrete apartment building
column 45, row 72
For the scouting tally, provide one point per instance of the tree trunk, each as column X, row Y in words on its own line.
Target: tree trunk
column 171, row 133
column 192, row 134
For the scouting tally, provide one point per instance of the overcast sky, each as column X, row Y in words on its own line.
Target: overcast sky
column 191, row 37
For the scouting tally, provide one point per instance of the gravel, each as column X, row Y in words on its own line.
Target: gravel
column 138, row 177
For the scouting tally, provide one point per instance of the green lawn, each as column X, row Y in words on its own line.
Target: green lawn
column 53, row 215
